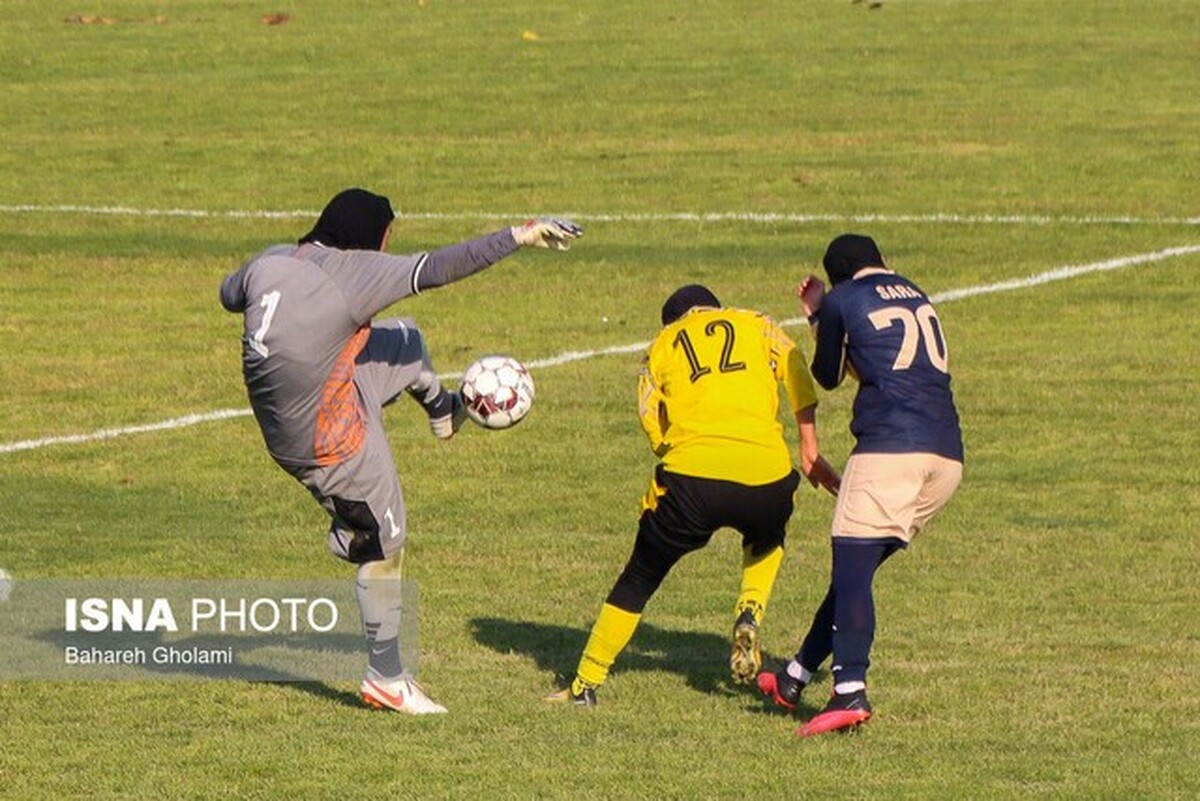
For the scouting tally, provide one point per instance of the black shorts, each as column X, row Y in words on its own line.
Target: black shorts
column 691, row 509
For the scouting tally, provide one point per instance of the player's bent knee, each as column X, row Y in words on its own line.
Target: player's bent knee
column 354, row 532
column 636, row 585
column 356, row 547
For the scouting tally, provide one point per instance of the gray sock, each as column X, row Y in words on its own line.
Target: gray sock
column 379, row 601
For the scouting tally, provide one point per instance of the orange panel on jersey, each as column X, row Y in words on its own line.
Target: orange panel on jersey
column 340, row 426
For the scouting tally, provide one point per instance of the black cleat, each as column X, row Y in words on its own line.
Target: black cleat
column 585, row 698
column 781, row 688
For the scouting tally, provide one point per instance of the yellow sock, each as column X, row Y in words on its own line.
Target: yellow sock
column 610, row 634
column 758, row 577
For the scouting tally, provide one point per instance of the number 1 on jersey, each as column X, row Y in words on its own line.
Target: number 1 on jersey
column 270, row 302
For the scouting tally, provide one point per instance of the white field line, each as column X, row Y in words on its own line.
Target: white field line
column 686, row 216
column 111, row 433
column 567, row 357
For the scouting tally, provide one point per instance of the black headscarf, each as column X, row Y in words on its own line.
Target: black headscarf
column 354, row 220
column 848, row 254
column 685, row 298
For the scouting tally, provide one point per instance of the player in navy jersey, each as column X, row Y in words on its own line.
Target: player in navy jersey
column 906, row 463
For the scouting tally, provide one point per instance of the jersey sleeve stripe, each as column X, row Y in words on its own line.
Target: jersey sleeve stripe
column 416, row 273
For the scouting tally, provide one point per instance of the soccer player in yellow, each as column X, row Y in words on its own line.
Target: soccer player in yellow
column 708, row 399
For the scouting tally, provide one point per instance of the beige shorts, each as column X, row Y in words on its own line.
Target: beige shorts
column 893, row 494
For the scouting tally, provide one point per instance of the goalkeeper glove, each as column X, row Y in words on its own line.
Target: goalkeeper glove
column 547, row 233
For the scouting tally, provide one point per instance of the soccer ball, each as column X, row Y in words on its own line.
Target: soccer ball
column 497, row 391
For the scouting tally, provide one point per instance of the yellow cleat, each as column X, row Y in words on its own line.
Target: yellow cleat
column 745, row 659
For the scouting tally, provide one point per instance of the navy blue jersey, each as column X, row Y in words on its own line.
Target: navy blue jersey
column 883, row 326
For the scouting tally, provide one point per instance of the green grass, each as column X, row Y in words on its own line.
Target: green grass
column 1039, row 640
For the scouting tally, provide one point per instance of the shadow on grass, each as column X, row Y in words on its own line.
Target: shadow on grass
column 327, row 693
column 702, row 659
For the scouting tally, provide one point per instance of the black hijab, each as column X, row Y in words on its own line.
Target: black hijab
column 685, row 298
column 849, row 253
column 354, row 220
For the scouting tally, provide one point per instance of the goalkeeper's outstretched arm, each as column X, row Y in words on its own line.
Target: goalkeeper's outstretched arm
column 455, row 262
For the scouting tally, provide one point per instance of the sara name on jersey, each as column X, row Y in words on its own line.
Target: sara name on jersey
column 897, row 292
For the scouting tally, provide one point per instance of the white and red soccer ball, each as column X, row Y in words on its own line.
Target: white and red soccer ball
column 497, row 391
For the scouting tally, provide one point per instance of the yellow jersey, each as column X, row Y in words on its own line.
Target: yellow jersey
column 708, row 395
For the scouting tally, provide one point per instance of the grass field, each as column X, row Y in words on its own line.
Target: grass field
column 1041, row 640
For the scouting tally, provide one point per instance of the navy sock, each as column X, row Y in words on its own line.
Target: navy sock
column 854, row 564
column 818, row 643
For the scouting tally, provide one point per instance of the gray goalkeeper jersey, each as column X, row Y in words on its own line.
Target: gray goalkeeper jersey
column 307, row 312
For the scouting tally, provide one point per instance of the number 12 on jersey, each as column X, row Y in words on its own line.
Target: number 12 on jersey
column 725, row 365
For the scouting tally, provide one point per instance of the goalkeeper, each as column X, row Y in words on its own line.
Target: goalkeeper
column 708, row 400
column 319, row 372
